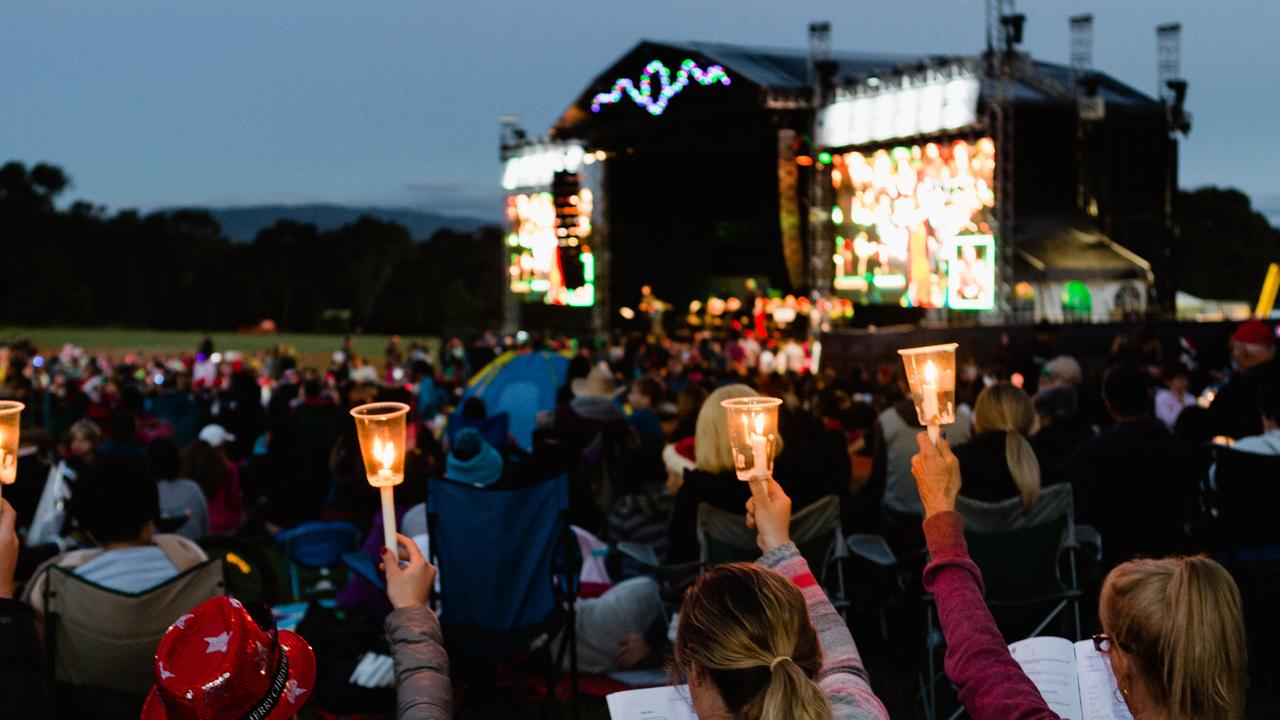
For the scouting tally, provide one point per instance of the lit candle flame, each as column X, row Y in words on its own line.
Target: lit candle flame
column 384, row 454
column 759, row 423
column 930, row 373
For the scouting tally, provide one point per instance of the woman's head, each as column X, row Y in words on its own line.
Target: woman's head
column 1001, row 407
column 83, row 438
column 207, row 465
column 711, row 439
column 1177, row 632
column 748, row 648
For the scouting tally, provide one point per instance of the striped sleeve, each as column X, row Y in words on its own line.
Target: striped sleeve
column 843, row 677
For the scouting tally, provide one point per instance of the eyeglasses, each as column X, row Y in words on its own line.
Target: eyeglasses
column 1103, row 643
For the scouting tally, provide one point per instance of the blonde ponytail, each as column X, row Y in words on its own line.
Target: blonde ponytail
column 1003, row 407
column 791, row 694
column 748, row 629
column 1024, row 467
column 1180, row 619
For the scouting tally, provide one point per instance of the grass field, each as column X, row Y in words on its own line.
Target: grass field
column 314, row 349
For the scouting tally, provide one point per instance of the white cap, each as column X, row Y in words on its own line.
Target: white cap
column 216, row 435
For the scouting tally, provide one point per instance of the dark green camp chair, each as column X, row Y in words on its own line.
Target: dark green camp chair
column 1022, row 558
column 724, row 537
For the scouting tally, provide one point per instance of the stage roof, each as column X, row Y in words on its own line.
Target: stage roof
column 786, row 70
column 1057, row 249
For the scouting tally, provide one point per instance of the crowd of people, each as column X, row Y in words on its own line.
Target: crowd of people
column 129, row 466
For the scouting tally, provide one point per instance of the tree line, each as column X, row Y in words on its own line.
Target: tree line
column 85, row 266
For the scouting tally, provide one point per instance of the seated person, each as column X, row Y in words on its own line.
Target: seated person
column 472, row 461
column 761, row 640
column 21, row 676
column 116, row 504
column 1268, row 443
column 1173, row 628
column 182, row 502
column 275, row 671
column 999, row 460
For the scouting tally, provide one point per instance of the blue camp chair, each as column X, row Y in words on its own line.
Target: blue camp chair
column 508, row 572
column 316, row 545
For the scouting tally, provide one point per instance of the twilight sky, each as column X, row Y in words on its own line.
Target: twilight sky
column 149, row 104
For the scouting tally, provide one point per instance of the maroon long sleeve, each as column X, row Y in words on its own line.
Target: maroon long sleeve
column 991, row 683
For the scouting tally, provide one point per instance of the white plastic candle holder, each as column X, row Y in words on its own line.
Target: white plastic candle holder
column 380, row 429
column 10, row 423
column 753, row 435
column 931, row 375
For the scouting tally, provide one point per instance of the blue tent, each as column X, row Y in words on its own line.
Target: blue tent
column 520, row 385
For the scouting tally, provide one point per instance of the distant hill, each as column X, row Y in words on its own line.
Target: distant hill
column 242, row 224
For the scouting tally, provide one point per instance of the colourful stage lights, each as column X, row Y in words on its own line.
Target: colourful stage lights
column 642, row 92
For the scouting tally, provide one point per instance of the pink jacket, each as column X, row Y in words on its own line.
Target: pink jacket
column 991, row 683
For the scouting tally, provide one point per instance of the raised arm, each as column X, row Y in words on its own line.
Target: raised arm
column 21, row 678
column 991, row 684
column 423, row 690
column 843, row 678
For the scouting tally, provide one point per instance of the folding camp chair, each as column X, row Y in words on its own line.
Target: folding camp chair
column 318, row 546
column 1246, row 540
column 1021, row 558
column 508, row 575
column 101, row 642
column 724, row 537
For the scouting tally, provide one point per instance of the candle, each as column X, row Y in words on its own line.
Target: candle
column 385, row 454
column 759, row 449
column 931, row 373
column 930, row 392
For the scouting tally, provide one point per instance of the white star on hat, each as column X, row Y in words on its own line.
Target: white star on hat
column 292, row 691
column 164, row 674
column 182, row 621
column 217, row 643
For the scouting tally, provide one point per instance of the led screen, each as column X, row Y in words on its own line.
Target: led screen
column 550, row 258
column 971, row 273
column 897, row 215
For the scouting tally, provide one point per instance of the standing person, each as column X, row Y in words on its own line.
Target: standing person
column 205, row 461
column 1137, row 463
column 1234, row 411
column 763, row 642
column 1173, row 628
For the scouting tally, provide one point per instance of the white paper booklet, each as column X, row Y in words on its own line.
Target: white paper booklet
column 1074, row 679
column 669, row 702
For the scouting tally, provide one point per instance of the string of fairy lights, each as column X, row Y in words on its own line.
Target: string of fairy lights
column 641, row 92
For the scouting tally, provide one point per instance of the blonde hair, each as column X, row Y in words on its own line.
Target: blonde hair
column 1180, row 620
column 87, row 429
column 748, row 629
column 1001, row 407
column 711, row 436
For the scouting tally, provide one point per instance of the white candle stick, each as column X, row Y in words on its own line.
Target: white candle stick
column 759, row 449
column 929, row 391
column 389, row 521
